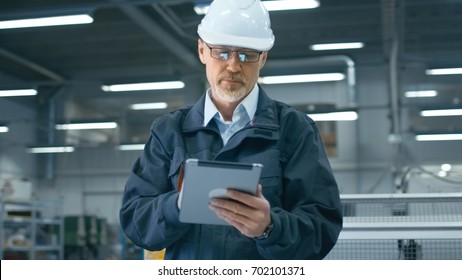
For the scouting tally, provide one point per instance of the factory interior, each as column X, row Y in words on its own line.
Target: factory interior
column 384, row 88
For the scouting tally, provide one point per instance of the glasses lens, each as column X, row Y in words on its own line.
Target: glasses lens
column 249, row 56
column 221, row 54
column 242, row 57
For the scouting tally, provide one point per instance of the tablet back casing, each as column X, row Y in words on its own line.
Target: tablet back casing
column 206, row 179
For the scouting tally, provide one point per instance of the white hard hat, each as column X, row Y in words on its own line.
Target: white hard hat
column 237, row 23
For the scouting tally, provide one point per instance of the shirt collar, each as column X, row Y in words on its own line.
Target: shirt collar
column 249, row 103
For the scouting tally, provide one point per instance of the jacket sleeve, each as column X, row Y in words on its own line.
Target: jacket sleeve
column 149, row 212
column 309, row 224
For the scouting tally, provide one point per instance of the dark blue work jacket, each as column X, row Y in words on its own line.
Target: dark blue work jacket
column 297, row 181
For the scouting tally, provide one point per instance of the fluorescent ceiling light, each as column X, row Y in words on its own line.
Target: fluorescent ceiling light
column 131, row 147
column 337, row 46
column 18, row 92
column 149, row 106
column 442, row 173
column 438, row 137
column 3, row 129
column 307, row 78
column 201, row 9
column 446, row 167
column 421, row 93
column 280, row 5
column 334, row 116
column 444, row 71
column 143, row 86
column 46, row 21
column 441, row 113
column 290, row 5
column 48, row 150
column 80, row 126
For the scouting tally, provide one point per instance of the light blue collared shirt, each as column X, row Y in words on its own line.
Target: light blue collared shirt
column 242, row 115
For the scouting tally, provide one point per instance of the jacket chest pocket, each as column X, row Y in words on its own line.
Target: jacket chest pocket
column 271, row 182
column 271, row 177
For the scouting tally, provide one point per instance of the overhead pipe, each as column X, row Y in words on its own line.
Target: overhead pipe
column 324, row 60
column 391, row 11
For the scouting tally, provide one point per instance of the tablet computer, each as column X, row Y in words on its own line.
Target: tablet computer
column 205, row 179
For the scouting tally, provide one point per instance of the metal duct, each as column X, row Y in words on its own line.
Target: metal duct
column 318, row 61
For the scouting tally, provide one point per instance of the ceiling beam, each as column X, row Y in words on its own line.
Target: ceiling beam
column 159, row 34
column 34, row 67
column 130, row 8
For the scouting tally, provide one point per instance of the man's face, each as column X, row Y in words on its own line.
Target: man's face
column 230, row 80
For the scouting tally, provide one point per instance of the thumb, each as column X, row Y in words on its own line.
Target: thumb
column 259, row 191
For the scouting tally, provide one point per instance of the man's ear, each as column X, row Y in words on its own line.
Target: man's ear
column 263, row 57
column 200, row 50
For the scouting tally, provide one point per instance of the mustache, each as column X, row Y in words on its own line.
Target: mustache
column 233, row 76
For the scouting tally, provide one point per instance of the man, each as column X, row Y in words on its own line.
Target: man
column 296, row 213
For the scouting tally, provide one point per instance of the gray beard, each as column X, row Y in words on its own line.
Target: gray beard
column 230, row 95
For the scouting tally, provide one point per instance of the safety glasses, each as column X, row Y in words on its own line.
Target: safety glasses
column 226, row 54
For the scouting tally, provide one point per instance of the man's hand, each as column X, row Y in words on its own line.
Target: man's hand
column 247, row 213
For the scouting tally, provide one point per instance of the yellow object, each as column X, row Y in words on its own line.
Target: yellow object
column 154, row 255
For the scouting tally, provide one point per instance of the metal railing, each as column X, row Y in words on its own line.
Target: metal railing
column 400, row 226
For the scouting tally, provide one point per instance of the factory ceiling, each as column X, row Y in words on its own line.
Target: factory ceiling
column 140, row 40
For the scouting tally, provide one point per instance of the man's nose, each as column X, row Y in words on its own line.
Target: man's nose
column 234, row 64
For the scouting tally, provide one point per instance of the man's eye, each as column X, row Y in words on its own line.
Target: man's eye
column 224, row 55
column 250, row 55
column 243, row 57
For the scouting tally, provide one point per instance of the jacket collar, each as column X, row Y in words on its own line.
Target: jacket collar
column 266, row 116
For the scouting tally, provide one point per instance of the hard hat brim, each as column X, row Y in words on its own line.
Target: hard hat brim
column 214, row 38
